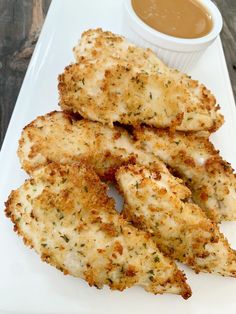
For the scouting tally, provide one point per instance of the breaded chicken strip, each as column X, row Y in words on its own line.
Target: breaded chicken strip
column 59, row 137
column 194, row 158
column 114, row 80
column 64, row 213
column 181, row 230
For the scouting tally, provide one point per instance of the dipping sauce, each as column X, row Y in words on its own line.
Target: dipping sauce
column 178, row 18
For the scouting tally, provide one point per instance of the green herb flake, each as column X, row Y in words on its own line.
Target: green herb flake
column 65, row 238
column 81, row 253
column 86, row 189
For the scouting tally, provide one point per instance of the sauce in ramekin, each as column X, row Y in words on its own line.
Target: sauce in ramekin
column 177, row 18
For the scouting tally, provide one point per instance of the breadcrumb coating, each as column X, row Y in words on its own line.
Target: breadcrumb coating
column 181, row 229
column 64, row 213
column 113, row 80
column 60, row 137
column 194, row 158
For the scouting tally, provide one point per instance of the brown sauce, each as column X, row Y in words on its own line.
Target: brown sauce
column 178, row 18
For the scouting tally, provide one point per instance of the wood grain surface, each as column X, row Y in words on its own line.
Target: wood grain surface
column 20, row 25
column 228, row 36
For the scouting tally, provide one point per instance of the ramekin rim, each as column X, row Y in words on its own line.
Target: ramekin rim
column 216, row 29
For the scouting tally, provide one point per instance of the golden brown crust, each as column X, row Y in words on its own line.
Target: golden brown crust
column 64, row 213
column 59, row 137
column 181, row 229
column 115, row 81
column 195, row 159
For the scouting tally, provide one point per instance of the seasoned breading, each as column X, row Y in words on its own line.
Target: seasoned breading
column 114, row 80
column 59, row 137
column 64, row 213
column 181, row 229
column 210, row 178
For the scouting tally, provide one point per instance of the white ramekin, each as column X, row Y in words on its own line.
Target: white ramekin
column 178, row 53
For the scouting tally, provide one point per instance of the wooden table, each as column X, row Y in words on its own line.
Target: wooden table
column 20, row 25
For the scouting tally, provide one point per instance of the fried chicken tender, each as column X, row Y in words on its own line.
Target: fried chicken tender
column 114, row 80
column 194, row 158
column 59, row 137
column 181, row 229
column 64, row 213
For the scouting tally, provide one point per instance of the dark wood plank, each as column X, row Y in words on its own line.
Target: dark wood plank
column 20, row 25
column 228, row 36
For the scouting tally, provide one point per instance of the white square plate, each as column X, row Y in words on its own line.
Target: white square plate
column 28, row 285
